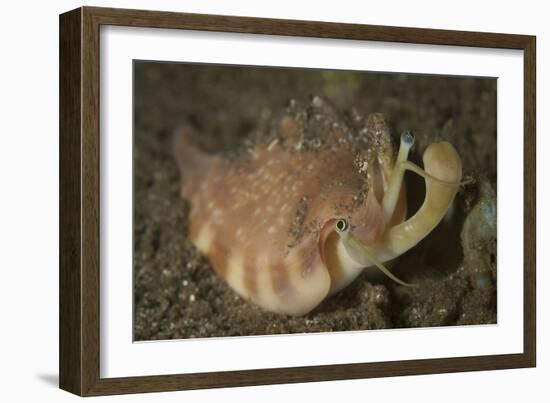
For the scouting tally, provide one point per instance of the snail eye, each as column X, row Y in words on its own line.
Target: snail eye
column 407, row 137
column 341, row 225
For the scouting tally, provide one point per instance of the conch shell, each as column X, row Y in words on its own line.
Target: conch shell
column 288, row 223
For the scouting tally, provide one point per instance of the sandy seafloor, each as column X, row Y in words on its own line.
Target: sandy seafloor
column 176, row 292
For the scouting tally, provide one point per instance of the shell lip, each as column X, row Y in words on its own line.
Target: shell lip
column 328, row 228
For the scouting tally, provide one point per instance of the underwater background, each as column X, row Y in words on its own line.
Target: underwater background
column 176, row 292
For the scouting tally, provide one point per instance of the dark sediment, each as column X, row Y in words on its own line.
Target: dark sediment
column 178, row 295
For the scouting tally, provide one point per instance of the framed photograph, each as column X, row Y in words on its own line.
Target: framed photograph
column 251, row 201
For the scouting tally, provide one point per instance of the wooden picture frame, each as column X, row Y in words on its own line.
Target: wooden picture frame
column 79, row 346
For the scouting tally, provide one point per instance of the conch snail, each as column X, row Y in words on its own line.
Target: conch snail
column 286, row 225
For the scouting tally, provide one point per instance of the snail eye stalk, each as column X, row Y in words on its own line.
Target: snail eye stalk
column 342, row 225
